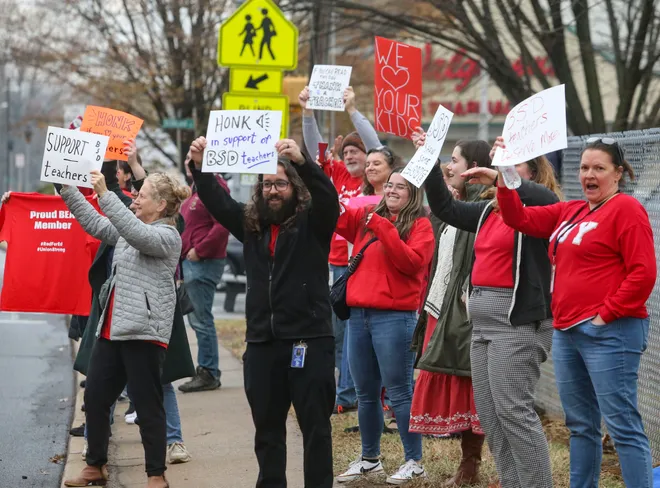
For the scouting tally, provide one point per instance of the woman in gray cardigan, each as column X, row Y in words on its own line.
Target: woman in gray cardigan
column 136, row 323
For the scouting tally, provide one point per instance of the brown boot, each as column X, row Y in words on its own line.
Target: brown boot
column 90, row 476
column 157, row 482
column 468, row 470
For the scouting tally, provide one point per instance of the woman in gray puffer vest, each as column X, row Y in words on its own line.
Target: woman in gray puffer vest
column 136, row 323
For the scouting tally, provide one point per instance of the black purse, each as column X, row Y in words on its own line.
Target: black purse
column 338, row 290
column 185, row 303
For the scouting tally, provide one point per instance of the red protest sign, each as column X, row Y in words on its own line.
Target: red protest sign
column 118, row 126
column 398, row 90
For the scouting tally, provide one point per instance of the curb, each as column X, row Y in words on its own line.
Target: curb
column 74, row 462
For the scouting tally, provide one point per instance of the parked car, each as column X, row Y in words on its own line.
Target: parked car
column 233, row 279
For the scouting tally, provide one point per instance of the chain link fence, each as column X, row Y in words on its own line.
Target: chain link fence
column 642, row 150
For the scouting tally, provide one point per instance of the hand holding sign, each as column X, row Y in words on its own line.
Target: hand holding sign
column 427, row 154
column 288, row 149
column 242, row 141
column 197, row 151
column 98, row 182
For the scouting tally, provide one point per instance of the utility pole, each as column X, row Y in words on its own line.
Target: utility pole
column 332, row 59
column 8, row 133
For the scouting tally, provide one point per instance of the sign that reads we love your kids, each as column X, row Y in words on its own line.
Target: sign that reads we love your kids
column 242, row 141
column 398, row 87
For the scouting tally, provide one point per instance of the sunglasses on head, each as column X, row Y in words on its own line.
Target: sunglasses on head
column 382, row 149
column 608, row 141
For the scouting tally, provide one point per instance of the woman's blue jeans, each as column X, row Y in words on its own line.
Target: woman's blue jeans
column 596, row 371
column 379, row 354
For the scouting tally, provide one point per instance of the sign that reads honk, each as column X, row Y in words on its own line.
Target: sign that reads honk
column 70, row 155
column 242, row 141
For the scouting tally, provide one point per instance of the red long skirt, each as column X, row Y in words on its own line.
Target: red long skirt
column 442, row 403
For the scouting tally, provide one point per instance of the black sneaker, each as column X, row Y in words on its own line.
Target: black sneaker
column 83, row 383
column 204, row 381
column 78, row 431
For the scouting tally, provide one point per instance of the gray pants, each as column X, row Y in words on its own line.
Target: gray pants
column 506, row 364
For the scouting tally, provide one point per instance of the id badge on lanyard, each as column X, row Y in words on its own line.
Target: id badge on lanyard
column 298, row 355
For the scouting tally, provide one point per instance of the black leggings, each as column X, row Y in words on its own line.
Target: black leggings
column 112, row 365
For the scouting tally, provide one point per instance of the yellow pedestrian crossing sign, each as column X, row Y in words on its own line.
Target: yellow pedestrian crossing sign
column 258, row 34
column 240, row 101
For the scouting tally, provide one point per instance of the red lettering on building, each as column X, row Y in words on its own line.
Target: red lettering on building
column 460, row 67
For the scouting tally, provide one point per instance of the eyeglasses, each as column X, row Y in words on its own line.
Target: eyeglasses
column 609, row 142
column 280, row 185
column 397, row 187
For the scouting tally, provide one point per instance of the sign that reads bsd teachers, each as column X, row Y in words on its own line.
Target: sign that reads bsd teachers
column 534, row 127
column 242, row 141
column 70, row 155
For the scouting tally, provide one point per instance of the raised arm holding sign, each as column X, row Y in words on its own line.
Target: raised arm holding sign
column 242, row 141
column 427, row 154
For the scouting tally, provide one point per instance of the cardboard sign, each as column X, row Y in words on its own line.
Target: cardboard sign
column 427, row 156
column 70, row 155
column 398, row 87
column 242, row 141
column 327, row 86
column 534, row 127
column 118, row 126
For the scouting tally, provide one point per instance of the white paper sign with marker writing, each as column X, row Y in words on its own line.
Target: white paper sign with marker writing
column 427, row 156
column 534, row 127
column 327, row 86
column 70, row 155
column 242, row 141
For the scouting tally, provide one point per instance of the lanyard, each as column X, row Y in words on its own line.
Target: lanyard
column 570, row 225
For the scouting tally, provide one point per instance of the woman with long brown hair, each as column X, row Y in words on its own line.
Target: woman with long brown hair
column 509, row 306
column 395, row 241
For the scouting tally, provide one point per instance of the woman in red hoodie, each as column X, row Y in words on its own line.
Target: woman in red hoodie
column 384, row 294
column 604, row 269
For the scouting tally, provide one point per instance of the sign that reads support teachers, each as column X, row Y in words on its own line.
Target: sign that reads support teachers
column 534, row 127
column 426, row 156
column 242, row 141
column 327, row 86
column 70, row 155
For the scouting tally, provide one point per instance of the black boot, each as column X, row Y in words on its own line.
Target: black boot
column 203, row 381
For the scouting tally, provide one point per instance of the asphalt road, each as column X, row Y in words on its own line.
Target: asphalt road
column 36, row 397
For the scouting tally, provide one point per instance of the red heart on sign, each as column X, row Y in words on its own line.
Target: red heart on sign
column 396, row 78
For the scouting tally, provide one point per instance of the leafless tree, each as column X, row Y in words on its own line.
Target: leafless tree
column 153, row 58
column 577, row 33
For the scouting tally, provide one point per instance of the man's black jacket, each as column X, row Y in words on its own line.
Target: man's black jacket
column 287, row 295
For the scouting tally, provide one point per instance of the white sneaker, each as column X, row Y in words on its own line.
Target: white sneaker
column 130, row 417
column 358, row 469
column 408, row 472
column 83, row 454
column 177, row 453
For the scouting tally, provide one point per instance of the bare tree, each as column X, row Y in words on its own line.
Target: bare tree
column 571, row 33
column 153, row 58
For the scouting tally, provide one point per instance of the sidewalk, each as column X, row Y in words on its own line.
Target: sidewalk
column 217, row 430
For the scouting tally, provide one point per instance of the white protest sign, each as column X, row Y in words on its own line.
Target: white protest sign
column 534, row 127
column 70, row 155
column 242, row 141
column 326, row 87
column 427, row 156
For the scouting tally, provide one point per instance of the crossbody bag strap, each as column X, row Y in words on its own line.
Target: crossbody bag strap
column 358, row 257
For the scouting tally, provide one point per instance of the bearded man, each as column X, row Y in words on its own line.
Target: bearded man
column 286, row 230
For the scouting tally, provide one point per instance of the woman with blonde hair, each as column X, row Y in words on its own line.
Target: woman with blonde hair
column 138, row 302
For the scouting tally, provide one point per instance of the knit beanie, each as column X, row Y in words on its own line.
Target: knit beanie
column 353, row 139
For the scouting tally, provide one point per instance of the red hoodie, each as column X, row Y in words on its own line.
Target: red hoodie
column 392, row 272
column 347, row 187
column 605, row 260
